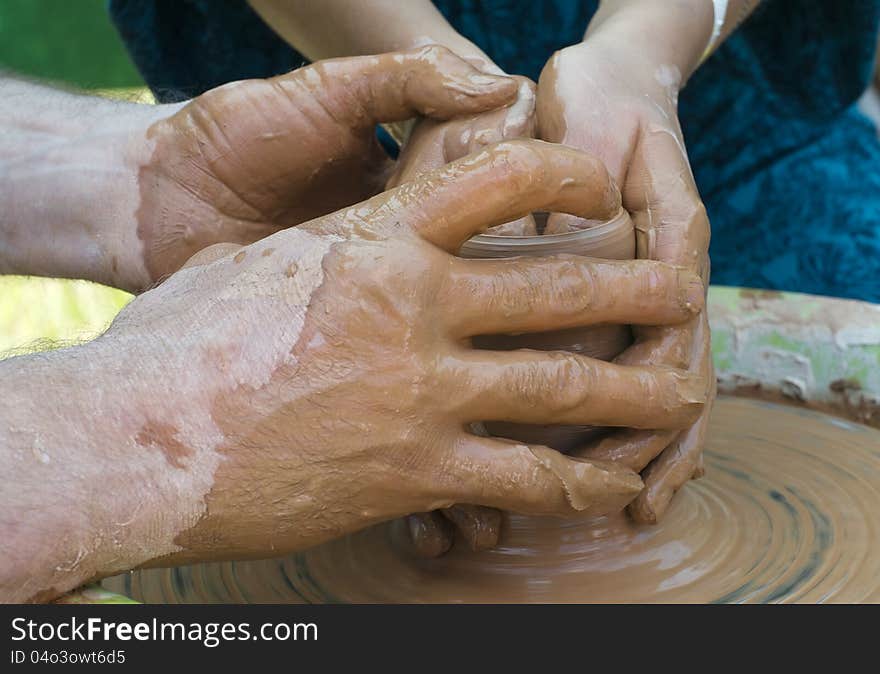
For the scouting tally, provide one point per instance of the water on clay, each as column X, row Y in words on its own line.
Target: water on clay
column 789, row 511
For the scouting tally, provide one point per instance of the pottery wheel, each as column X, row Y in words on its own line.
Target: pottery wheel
column 789, row 511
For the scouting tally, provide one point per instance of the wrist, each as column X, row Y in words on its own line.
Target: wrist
column 658, row 35
column 70, row 194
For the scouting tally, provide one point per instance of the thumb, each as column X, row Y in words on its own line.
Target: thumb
column 428, row 81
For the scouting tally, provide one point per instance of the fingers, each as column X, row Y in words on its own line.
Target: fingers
column 562, row 223
column 666, row 475
column 671, row 221
column 431, row 534
column 632, row 448
column 428, row 81
column 683, row 458
column 537, row 480
column 433, row 144
column 522, row 227
column 479, row 526
column 636, row 449
column 553, row 293
column 554, row 387
column 504, row 182
column 671, row 225
column 667, row 345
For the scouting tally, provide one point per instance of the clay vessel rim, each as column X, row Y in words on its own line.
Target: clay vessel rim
column 608, row 228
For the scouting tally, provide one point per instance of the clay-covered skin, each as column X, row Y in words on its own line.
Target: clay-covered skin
column 249, row 158
column 615, row 240
column 606, row 98
column 432, row 143
column 789, row 512
column 359, row 385
column 270, row 397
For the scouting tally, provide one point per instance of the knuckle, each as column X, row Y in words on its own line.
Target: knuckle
column 431, row 55
column 568, row 381
column 586, row 286
column 658, row 280
column 573, row 285
column 522, row 165
column 516, row 292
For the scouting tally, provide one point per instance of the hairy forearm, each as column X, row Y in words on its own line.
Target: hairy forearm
column 331, row 28
column 668, row 32
column 100, row 471
column 69, row 184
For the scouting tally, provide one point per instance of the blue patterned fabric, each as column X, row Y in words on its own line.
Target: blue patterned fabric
column 788, row 168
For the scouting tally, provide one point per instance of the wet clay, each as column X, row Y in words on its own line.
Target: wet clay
column 789, row 511
column 612, row 240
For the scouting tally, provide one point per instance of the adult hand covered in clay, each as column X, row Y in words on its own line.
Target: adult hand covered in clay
column 247, row 159
column 267, row 398
column 332, row 367
column 604, row 97
column 135, row 190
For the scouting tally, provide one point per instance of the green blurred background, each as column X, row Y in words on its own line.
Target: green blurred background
column 64, row 40
column 74, row 42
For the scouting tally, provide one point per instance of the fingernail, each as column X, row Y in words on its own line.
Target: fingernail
column 692, row 391
column 694, row 293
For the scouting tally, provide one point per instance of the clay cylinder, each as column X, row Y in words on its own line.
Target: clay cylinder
column 612, row 240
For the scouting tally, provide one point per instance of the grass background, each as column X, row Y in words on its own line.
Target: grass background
column 71, row 42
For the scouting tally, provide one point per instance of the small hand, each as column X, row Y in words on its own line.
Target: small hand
column 602, row 97
column 328, row 365
column 434, row 143
column 249, row 158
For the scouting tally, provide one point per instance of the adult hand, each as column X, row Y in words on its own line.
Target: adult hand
column 135, row 190
column 249, row 158
column 607, row 98
column 331, row 359
column 269, row 397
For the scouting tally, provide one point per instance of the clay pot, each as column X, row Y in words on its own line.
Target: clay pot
column 612, row 240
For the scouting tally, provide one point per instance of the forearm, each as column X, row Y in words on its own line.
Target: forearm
column 100, row 472
column 331, row 28
column 69, row 189
column 668, row 33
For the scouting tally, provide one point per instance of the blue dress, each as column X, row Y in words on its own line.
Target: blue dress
column 787, row 166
